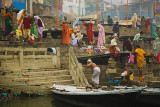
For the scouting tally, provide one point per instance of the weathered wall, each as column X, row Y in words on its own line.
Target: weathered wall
column 17, row 59
column 7, row 2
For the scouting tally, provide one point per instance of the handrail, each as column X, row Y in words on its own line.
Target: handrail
column 76, row 69
column 34, row 54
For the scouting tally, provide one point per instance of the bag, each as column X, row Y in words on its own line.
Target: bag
column 158, row 58
column 116, row 55
column 117, row 49
column 131, row 59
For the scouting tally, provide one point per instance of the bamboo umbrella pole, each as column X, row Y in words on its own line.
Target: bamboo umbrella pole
column 4, row 7
column 57, row 9
column 155, row 10
column 127, row 13
column 97, row 12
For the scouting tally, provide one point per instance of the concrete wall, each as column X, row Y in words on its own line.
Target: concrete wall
column 27, row 58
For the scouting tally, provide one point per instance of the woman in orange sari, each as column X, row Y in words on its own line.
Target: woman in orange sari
column 66, row 31
column 140, row 60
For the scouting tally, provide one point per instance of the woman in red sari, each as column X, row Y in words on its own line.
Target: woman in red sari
column 66, row 31
column 89, row 31
column 148, row 25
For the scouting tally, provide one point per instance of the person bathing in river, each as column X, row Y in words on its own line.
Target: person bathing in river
column 96, row 72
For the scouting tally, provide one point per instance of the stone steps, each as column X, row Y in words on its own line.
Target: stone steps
column 40, row 80
column 61, row 77
column 61, row 82
column 153, row 84
column 37, row 74
column 155, row 79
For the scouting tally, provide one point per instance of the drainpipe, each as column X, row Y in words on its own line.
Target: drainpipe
column 155, row 10
column 79, row 8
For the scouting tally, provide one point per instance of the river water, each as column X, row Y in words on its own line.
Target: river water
column 49, row 101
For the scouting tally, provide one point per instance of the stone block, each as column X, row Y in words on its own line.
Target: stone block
column 111, row 71
column 153, row 84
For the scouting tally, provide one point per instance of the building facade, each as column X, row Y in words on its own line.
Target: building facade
column 7, row 2
column 73, row 6
column 145, row 8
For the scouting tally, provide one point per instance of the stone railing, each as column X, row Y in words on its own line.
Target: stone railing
column 76, row 70
column 17, row 59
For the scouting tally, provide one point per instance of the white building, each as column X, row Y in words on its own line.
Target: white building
column 72, row 6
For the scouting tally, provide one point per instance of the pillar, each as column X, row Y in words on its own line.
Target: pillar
column 29, row 6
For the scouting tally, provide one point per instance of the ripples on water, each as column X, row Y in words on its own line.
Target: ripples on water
column 48, row 101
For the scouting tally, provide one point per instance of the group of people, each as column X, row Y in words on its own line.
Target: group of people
column 76, row 35
column 148, row 25
column 127, row 75
column 29, row 27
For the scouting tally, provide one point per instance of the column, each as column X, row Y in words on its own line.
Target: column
column 30, row 6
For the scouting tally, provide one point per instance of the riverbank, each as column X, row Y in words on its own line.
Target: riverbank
column 49, row 101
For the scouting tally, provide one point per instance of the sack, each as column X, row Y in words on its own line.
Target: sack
column 131, row 59
column 116, row 55
column 156, row 34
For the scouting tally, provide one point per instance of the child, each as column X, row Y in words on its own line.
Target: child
column 127, row 76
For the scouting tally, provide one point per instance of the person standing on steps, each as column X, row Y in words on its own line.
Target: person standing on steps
column 40, row 27
column 153, row 27
column 66, row 31
column 96, row 72
column 101, row 36
column 137, row 39
column 140, row 60
column 113, row 45
column 116, row 29
column 143, row 20
column 8, row 22
column 148, row 26
column 127, row 46
column 27, row 27
column 134, row 20
column 89, row 31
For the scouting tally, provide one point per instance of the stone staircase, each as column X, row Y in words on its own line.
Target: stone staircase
column 154, row 80
column 39, row 80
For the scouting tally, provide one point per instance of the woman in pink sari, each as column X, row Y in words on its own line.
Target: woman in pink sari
column 101, row 36
column 40, row 26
